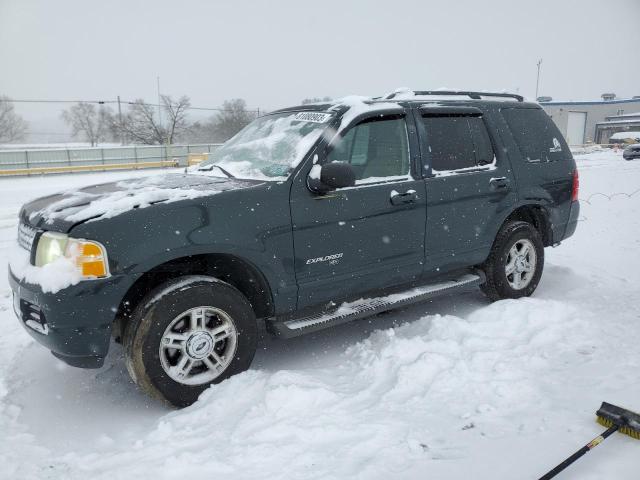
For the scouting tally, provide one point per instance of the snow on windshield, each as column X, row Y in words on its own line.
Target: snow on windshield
column 270, row 147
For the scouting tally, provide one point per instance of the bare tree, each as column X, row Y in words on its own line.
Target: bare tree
column 176, row 114
column 87, row 120
column 141, row 125
column 12, row 126
column 233, row 117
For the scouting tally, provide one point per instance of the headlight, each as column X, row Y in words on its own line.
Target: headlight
column 90, row 257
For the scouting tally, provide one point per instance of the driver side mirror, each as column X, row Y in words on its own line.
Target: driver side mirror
column 324, row 178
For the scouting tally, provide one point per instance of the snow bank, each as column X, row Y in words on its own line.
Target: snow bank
column 587, row 149
column 381, row 406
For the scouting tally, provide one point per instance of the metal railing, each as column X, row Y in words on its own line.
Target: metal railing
column 58, row 160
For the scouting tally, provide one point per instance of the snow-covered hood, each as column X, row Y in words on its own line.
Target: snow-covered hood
column 60, row 212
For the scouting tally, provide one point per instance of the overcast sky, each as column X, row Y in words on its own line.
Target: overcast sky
column 275, row 53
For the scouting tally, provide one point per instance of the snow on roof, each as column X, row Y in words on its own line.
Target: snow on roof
column 625, row 135
column 405, row 93
column 358, row 105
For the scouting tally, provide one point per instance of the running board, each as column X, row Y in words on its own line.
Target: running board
column 371, row 306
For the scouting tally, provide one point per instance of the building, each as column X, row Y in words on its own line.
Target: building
column 616, row 124
column 595, row 121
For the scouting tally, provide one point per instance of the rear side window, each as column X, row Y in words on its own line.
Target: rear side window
column 457, row 142
column 538, row 138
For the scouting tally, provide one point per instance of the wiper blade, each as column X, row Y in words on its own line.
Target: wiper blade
column 208, row 168
column 226, row 172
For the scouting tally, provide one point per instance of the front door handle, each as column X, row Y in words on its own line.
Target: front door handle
column 410, row 196
column 499, row 183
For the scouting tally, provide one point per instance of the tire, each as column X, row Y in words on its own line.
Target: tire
column 500, row 285
column 187, row 334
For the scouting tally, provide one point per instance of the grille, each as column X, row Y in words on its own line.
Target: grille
column 26, row 235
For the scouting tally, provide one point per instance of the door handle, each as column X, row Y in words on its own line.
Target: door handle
column 499, row 183
column 410, row 196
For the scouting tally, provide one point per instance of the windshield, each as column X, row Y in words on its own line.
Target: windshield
column 269, row 148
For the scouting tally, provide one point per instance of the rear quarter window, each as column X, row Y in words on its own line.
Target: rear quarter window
column 537, row 137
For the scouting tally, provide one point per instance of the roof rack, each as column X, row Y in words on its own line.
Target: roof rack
column 472, row 95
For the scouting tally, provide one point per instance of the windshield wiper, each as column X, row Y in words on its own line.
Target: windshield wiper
column 208, row 168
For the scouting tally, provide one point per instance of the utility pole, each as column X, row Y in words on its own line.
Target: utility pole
column 167, row 146
column 120, row 122
column 538, row 78
column 159, row 103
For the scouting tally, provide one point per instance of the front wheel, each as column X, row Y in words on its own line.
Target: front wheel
column 187, row 334
column 515, row 264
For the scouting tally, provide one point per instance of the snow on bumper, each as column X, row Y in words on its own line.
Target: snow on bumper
column 75, row 322
column 51, row 278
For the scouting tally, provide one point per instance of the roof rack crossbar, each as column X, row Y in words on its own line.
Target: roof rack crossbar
column 472, row 95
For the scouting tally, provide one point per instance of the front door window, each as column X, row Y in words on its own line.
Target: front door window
column 377, row 149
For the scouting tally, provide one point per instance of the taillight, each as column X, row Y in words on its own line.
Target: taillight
column 576, row 186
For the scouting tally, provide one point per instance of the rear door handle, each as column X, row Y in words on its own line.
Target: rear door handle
column 499, row 183
column 410, row 196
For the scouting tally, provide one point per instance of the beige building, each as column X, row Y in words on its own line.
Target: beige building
column 596, row 121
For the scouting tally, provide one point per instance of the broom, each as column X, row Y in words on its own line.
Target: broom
column 616, row 419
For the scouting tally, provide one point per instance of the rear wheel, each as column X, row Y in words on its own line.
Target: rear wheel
column 187, row 334
column 515, row 265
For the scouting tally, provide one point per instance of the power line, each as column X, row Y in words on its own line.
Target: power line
column 49, row 133
column 105, row 102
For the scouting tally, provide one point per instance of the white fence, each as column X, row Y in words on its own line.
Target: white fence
column 52, row 160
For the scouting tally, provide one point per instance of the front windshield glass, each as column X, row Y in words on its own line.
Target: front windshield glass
column 270, row 147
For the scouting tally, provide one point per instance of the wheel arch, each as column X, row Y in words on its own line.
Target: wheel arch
column 237, row 271
column 536, row 215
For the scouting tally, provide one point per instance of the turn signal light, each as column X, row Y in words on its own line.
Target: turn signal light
column 90, row 258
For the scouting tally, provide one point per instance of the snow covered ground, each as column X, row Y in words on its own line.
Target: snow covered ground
column 453, row 389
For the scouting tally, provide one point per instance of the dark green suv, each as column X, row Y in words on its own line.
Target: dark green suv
column 309, row 217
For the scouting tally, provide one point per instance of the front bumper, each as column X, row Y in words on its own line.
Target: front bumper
column 74, row 323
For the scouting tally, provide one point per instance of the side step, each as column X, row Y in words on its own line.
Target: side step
column 371, row 306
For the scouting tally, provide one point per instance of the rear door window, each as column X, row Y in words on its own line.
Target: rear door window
column 457, row 142
column 537, row 137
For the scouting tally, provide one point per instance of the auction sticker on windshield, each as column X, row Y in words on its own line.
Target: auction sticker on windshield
column 315, row 117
